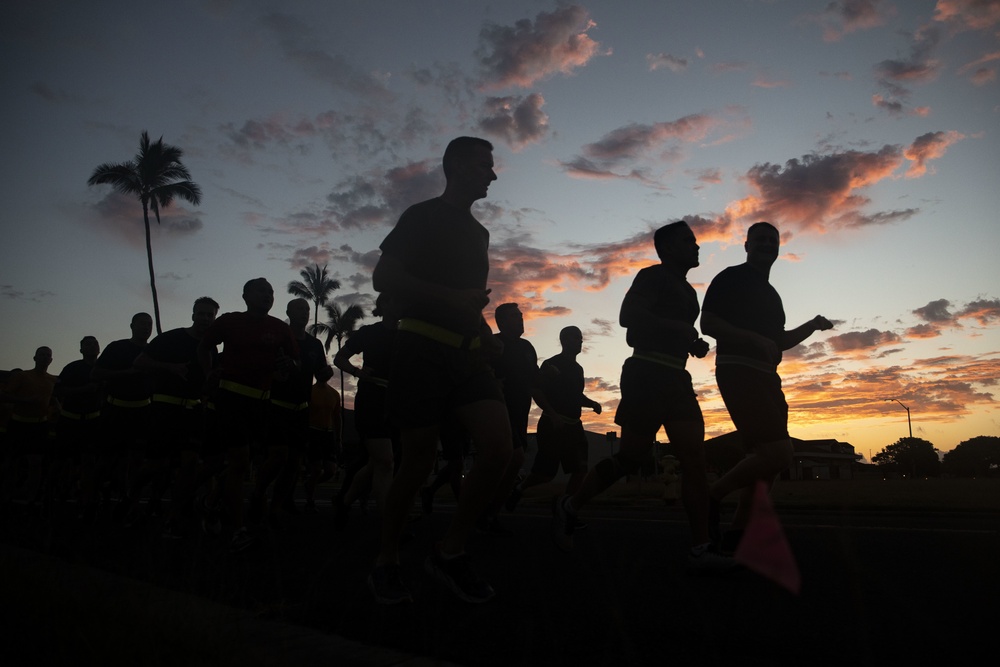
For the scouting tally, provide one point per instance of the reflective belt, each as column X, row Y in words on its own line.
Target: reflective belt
column 289, row 406
column 27, row 420
column 244, row 390
column 80, row 416
column 176, row 400
column 439, row 334
column 659, row 358
column 119, row 403
column 735, row 359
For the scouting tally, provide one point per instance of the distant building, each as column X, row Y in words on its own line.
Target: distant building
column 813, row 459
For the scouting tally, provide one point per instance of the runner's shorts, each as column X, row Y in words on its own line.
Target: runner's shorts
column 653, row 395
column 755, row 402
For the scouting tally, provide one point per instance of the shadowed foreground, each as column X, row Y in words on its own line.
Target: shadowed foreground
column 877, row 587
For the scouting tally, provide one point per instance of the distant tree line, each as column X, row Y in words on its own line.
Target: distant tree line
column 916, row 457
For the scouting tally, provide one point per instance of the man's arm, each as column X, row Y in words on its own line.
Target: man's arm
column 721, row 330
column 795, row 336
column 637, row 311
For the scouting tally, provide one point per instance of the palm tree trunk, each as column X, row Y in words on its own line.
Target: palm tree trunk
column 152, row 276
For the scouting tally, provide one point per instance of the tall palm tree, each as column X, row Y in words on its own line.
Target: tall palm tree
column 155, row 175
column 316, row 286
column 339, row 325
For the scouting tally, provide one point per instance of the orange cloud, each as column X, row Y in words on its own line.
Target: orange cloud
column 968, row 14
column 928, row 147
column 842, row 17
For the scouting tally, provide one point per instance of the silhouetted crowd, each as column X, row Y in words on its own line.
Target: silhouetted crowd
column 213, row 426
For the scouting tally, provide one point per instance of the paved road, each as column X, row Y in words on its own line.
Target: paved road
column 877, row 588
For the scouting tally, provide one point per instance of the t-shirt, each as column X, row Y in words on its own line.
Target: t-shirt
column 298, row 387
column 669, row 296
column 118, row 356
column 561, row 379
column 374, row 342
column 742, row 296
column 177, row 346
column 251, row 344
column 75, row 375
column 443, row 245
column 516, row 370
column 36, row 385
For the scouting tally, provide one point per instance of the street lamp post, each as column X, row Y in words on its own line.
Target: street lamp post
column 908, row 422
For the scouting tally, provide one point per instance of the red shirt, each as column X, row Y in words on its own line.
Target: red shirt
column 251, row 344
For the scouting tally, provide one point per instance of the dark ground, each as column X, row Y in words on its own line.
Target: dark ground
column 900, row 588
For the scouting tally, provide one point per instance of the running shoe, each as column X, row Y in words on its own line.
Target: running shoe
column 709, row 559
column 242, row 540
column 563, row 524
column 386, row 585
column 457, row 574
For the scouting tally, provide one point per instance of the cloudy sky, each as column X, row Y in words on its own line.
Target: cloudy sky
column 866, row 130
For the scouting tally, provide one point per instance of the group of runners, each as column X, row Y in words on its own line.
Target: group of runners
column 175, row 412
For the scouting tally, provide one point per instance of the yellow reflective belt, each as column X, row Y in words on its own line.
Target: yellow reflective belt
column 27, row 420
column 659, row 358
column 176, row 400
column 119, row 403
column 79, row 416
column 244, row 390
column 439, row 334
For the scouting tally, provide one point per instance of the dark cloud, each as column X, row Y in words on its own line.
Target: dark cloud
column 665, row 61
column 927, row 147
column 519, row 55
column 862, row 340
column 16, row 294
column 935, row 311
column 842, row 17
column 297, row 41
column 968, row 14
column 122, row 216
column 518, row 121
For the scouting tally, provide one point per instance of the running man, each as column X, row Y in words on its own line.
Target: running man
column 257, row 349
column 435, row 263
column 561, row 437
column 744, row 314
column 658, row 312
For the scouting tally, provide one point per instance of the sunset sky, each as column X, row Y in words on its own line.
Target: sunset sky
column 868, row 132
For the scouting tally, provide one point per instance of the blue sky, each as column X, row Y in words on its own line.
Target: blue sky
column 865, row 130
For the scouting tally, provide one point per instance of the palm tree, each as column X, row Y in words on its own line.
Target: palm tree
column 316, row 286
column 155, row 175
column 339, row 325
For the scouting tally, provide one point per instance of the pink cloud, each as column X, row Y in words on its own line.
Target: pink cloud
column 554, row 43
column 928, row 147
column 968, row 14
column 843, row 17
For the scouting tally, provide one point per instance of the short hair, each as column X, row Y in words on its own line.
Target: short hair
column 141, row 316
column 663, row 236
column 206, row 300
column 459, row 150
column 504, row 310
column 757, row 226
column 249, row 283
column 566, row 331
column 86, row 338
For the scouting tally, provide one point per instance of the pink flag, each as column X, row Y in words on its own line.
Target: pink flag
column 764, row 548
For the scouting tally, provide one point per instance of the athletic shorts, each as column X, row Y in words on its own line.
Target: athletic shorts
column 755, row 402
column 287, row 427
column 175, row 429
column 429, row 380
column 566, row 446
column 322, row 446
column 371, row 416
column 239, row 420
column 126, row 429
column 653, row 395
column 518, row 428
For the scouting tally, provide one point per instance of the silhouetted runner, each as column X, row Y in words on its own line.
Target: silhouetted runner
column 744, row 314
column 435, row 263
